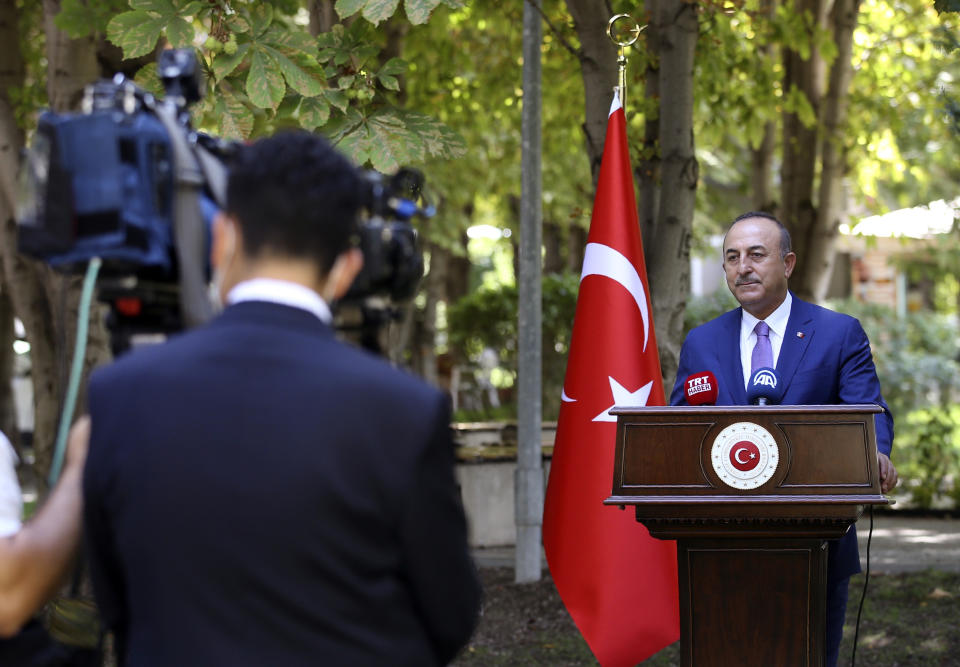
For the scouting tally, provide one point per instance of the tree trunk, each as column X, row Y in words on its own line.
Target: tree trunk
column 820, row 254
column 322, row 16
column 648, row 171
column 576, row 242
column 761, row 163
column 8, row 407
column 598, row 67
column 33, row 288
column 22, row 278
column 552, row 245
column 800, row 146
column 458, row 271
column 761, row 171
column 669, row 272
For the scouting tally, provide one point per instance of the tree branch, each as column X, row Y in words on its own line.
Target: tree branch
column 577, row 53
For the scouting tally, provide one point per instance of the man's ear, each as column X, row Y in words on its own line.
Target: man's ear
column 343, row 273
column 789, row 261
column 223, row 240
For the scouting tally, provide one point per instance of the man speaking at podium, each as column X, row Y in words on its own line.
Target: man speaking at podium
column 258, row 493
column 822, row 358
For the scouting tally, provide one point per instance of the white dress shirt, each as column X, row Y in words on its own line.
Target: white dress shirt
column 283, row 292
column 11, row 498
column 777, row 321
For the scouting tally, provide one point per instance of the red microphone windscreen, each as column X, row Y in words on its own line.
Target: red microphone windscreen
column 700, row 389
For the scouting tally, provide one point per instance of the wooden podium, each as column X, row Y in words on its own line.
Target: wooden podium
column 750, row 494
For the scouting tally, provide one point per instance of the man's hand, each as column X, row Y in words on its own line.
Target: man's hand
column 888, row 473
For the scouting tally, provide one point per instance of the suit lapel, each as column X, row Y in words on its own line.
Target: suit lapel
column 732, row 368
column 796, row 338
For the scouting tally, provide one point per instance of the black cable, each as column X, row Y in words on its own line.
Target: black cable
column 863, row 595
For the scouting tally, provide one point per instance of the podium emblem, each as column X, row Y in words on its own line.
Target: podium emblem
column 745, row 455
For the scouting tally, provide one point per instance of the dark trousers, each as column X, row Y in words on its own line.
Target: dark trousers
column 837, row 592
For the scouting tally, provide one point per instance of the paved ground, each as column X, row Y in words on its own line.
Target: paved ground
column 904, row 544
column 898, row 544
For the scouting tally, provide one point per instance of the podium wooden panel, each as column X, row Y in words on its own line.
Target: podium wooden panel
column 751, row 561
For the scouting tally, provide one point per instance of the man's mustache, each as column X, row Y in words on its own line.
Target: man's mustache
column 745, row 281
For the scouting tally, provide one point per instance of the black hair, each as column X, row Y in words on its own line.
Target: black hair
column 786, row 246
column 294, row 195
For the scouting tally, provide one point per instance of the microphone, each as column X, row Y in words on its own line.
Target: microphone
column 700, row 389
column 764, row 387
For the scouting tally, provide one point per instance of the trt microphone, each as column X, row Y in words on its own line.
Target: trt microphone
column 700, row 389
column 764, row 387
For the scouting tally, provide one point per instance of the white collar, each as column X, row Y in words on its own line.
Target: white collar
column 283, row 292
column 777, row 320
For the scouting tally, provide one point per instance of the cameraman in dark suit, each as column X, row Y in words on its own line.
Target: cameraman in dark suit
column 258, row 493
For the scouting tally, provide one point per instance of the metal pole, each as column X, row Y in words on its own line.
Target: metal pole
column 528, row 481
column 623, row 37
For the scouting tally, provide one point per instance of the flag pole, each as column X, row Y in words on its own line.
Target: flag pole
column 624, row 36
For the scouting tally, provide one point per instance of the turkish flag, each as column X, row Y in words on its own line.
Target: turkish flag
column 618, row 583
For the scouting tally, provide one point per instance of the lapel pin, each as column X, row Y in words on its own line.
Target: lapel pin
column 800, row 334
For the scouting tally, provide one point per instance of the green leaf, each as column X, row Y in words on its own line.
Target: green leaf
column 264, row 83
column 135, row 32
column 347, row 8
column 438, row 140
column 337, row 98
column 388, row 82
column 146, row 77
column 224, row 64
column 162, row 7
column 796, row 102
column 179, row 33
column 299, row 80
column 357, row 144
column 239, row 22
column 192, row 8
column 392, row 145
column 338, row 128
column 376, row 11
column 397, row 66
column 291, row 40
column 418, row 11
column 261, row 16
column 314, row 113
column 236, row 120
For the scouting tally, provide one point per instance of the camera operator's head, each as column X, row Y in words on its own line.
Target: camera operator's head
column 292, row 210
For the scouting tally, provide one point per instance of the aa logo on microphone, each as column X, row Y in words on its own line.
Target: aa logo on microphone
column 765, row 378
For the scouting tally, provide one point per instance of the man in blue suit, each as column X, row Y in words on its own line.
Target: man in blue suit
column 822, row 357
column 259, row 493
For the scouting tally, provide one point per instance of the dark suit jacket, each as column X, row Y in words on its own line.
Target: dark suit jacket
column 258, row 493
column 830, row 363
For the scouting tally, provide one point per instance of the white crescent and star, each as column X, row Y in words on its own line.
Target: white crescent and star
column 736, row 455
column 602, row 260
column 623, row 396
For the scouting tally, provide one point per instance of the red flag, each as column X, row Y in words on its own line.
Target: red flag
column 618, row 583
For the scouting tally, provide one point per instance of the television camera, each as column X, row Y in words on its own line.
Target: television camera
column 128, row 180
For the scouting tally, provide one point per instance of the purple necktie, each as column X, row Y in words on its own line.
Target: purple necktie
column 762, row 356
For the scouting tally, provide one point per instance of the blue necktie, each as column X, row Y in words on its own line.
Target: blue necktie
column 762, row 356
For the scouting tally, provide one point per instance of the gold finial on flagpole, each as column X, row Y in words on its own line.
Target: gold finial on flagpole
column 623, row 37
